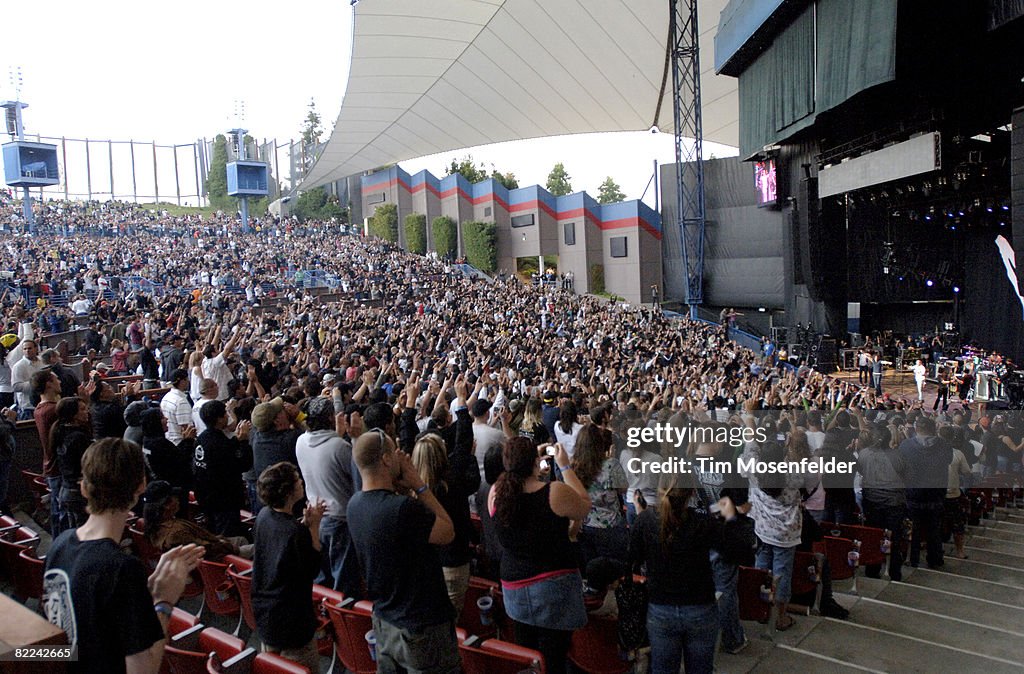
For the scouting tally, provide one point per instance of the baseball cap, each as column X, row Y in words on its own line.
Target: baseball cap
column 8, row 340
column 158, row 491
column 263, row 415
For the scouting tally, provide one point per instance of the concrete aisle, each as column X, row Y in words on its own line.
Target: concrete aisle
column 966, row 617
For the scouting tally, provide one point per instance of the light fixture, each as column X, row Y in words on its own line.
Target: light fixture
column 929, row 283
column 956, row 289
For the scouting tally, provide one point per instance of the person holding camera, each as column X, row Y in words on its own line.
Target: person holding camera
column 541, row 583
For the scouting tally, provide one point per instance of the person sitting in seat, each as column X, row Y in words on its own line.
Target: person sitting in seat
column 165, row 530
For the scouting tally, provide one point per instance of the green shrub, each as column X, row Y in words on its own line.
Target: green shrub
column 597, row 279
column 481, row 240
column 384, row 223
column 444, row 235
column 416, row 233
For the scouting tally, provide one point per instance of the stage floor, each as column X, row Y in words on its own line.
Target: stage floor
column 900, row 385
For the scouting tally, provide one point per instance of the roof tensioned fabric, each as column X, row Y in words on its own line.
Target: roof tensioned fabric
column 430, row 77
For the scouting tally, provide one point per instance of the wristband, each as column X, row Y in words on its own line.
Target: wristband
column 422, row 489
column 565, row 469
column 164, row 607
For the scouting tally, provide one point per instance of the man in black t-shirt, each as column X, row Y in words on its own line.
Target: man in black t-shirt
column 395, row 535
column 98, row 594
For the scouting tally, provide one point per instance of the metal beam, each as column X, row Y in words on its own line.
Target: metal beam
column 685, row 55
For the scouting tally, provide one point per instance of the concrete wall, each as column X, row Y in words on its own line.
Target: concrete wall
column 631, row 276
column 583, row 213
column 426, row 200
column 595, row 225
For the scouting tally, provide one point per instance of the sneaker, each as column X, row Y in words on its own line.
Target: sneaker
column 734, row 650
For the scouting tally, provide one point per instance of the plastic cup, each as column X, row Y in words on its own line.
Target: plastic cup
column 371, row 644
column 484, row 605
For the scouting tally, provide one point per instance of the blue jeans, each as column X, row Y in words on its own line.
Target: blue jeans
column 780, row 562
column 339, row 567
column 727, row 578
column 682, row 635
column 56, row 512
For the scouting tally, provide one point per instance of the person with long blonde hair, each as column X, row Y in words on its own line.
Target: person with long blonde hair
column 453, row 479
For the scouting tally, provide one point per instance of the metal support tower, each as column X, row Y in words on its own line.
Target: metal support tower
column 19, row 134
column 685, row 55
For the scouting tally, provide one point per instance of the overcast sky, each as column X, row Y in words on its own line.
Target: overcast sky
column 170, row 72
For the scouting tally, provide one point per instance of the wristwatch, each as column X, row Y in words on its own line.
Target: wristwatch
column 164, row 607
column 420, row 490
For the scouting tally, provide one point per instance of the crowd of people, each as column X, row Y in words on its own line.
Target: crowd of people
column 367, row 429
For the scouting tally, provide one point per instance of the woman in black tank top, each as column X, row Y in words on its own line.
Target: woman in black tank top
column 541, row 583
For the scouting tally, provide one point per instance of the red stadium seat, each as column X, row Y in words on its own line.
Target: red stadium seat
column 251, row 662
column 351, row 621
column 595, row 647
column 243, row 585
column 837, row 551
column 12, row 542
column 187, row 651
column 469, row 619
column 752, row 605
column 28, row 575
column 240, row 563
column 325, row 635
column 179, row 622
column 220, row 594
column 498, row 657
column 39, row 489
column 144, row 549
column 807, row 576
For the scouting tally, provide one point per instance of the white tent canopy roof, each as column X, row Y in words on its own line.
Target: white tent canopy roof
column 430, row 77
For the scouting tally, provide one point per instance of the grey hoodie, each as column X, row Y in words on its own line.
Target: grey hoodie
column 325, row 460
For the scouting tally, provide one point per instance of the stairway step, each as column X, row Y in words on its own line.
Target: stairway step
column 995, row 545
column 1008, row 524
column 994, row 556
column 940, row 627
column 965, row 607
column 1005, row 534
column 888, row 652
column 984, row 570
column 972, row 587
column 785, row 658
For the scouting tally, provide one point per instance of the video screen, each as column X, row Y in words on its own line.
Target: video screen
column 764, row 181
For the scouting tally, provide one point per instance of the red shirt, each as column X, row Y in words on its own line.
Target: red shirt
column 46, row 416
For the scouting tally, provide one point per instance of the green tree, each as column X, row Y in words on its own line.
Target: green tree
column 558, row 181
column 609, row 192
column 416, row 233
column 384, row 223
column 312, row 128
column 309, row 204
column 468, row 169
column 508, row 180
column 596, row 279
column 481, row 240
column 444, row 235
column 217, row 178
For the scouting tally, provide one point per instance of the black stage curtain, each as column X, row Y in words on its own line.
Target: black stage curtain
column 991, row 313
